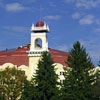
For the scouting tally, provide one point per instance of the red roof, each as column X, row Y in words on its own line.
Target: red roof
column 20, row 57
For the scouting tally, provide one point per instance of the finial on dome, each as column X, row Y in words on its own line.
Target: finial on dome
column 40, row 24
column 40, row 27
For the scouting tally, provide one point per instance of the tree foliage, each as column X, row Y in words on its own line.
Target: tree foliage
column 11, row 83
column 96, row 86
column 81, row 82
column 99, row 64
column 45, row 79
column 78, row 83
column 28, row 91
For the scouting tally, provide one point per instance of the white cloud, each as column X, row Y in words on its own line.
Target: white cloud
column 97, row 30
column 28, row 1
column 76, row 15
column 16, row 28
column 52, row 4
column 68, row 1
column 88, row 19
column 98, row 21
column 92, row 47
column 13, row 7
column 56, row 17
column 62, row 47
column 85, row 3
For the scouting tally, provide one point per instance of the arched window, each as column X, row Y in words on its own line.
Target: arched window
column 38, row 43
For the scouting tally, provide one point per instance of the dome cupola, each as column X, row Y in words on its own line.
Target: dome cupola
column 40, row 27
column 40, row 24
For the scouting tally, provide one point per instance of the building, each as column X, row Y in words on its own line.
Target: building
column 26, row 57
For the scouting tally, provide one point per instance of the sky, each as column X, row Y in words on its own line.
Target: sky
column 69, row 21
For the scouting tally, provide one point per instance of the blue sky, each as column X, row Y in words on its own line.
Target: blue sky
column 69, row 21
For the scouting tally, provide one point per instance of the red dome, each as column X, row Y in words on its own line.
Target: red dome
column 40, row 24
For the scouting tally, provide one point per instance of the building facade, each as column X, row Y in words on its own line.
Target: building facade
column 26, row 57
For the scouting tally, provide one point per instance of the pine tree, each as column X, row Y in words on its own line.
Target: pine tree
column 78, row 82
column 99, row 64
column 28, row 91
column 46, row 79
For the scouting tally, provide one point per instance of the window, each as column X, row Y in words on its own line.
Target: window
column 62, row 73
column 35, row 71
column 61, row 81
column 38, row 43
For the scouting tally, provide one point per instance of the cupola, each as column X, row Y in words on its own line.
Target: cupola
column 40, row 24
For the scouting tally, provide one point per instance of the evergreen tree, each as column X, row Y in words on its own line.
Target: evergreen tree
column 28, row 91
column 78, row 82
column 45, row 79
column 99, row 64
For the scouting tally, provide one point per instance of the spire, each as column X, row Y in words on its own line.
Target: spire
column 40, row 10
